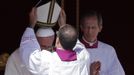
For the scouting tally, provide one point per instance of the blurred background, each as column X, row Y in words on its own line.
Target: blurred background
column 117, row 30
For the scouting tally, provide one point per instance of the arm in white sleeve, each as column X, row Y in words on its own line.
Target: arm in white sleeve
column 115, row 66
column 82, row 55
column 11, row 68
column 30, row 51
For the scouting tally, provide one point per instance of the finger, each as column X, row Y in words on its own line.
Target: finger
column 97, row 73
column 98, row 68
column 61, row 12
column 64, row 15
column 35, row 11
column 98, row 65
column 31, row 12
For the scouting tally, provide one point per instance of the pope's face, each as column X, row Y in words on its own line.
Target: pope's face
column 91, row 28
column 45, row 42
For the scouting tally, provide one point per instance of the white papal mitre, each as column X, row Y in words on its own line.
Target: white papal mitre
column 48, row 14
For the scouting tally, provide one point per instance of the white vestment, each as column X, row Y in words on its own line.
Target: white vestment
column 43, row 62
column 15, row 66
column 106, row 54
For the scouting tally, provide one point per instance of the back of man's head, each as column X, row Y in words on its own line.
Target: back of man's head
column 68, row 37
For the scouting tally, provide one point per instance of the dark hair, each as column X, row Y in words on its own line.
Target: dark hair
column 92, row 14
column 68, row 37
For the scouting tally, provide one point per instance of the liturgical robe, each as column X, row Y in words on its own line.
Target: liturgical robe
column 107, row 56
column 15, row 66
column 43, row 62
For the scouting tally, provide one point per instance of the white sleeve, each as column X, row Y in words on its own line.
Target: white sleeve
column 11, row 67
column 30, row 51
column 82, row 55
column 115, row 66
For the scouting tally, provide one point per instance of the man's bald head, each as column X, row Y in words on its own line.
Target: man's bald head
column 67, row 37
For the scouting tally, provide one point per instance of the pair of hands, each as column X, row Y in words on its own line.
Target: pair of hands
column 95, row 68
column 33, row 17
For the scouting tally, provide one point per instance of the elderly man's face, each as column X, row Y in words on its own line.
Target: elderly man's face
column 91, row 28
column 46, row 42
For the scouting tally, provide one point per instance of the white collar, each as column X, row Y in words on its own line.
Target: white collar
column 90, row 43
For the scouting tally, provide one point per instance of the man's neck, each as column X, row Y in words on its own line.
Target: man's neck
column 90, row 42
column 59, row 47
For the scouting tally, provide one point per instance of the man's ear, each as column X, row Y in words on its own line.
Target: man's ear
column 57, row 39
column 57, row 42
column 100, row 27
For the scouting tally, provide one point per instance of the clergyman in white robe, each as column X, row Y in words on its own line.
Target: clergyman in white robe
column 43, row 62
column 14, row 64
column 106, row 54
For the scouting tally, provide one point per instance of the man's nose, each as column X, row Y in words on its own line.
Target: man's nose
column 90, row 29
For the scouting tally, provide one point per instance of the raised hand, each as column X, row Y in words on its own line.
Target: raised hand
column 33, row 17
column 62, row 18
column 95, row 68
